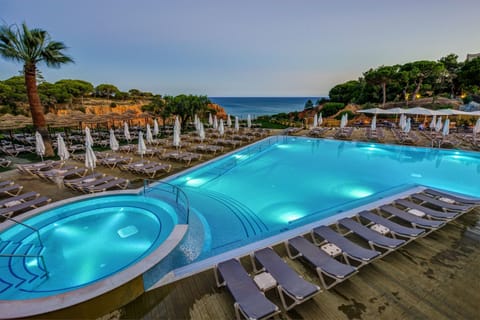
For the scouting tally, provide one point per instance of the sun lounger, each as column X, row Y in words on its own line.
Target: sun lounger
column 4, row 162
column 11, row 190
column 290, row 284
column 249, row 300
column 85, row 179
column 10, row 201
column 414, row 220
column 117, row 183
column 32, row 168
column 446, row 196
column 445, row 206
column 112, row 162
column 374, row 238
column 24, row 206
column 394, row 228
column 84, row 185
column 350, row 250
column 69, row 171
column 156, row 168
column 329, row 270
column 6, row 183
column 420, row 210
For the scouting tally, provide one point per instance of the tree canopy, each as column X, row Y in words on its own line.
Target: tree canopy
column 445, row 77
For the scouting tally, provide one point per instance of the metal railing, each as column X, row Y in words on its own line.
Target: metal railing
column 42, row 259
column 180, row 197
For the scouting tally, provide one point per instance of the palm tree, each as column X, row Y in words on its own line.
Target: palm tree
column 31, row 47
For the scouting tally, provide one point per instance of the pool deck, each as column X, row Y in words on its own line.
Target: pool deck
column 435, row 277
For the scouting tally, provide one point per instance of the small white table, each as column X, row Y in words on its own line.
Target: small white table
column 380, row 229
column 331, row 249
column 265, row 281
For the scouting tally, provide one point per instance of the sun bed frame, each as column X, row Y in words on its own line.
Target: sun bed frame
column 397, row 230
column 330, row 271
column 437, row 194
column 429, row 213
column 445, row 206
column 250, row 302
column 350, row 250
column 412, row 219
column 290, row 284
column 374, row 238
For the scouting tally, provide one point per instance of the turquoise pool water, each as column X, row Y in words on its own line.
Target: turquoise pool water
column 83, row 242
column 284, row 182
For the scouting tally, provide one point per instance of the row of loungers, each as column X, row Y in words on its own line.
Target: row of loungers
column 14, row 203
column 338, row 254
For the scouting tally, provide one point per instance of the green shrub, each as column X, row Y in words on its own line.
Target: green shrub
column 331, row 108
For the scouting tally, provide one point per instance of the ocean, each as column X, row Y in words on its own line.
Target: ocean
column 255, row 106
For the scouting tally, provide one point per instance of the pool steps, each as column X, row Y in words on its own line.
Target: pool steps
column 17, row 269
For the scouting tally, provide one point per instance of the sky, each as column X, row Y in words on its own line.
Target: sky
column 242, row 48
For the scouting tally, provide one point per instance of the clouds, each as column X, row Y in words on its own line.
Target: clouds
column 242, row 48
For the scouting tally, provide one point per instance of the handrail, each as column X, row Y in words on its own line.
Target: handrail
column 42, row 259
column 26, row 225
column 177, row 191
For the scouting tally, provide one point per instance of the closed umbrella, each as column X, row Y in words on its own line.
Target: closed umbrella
column 446, row 128
column 88, row 137
column 315, row 120
column 229, row 121
column 439, row 124
column 476, row 129
column 176, row 133
column 237, row 125
column 126, row 132
column 221, row 128
column 344, row 120
column 407, row 125
column 149, row 135
column 373, row 126
column 210, row 120
column 62, row 148
column 90, row 158
column 215, row 122
column 113, row 141
column 402, row 122
column 142, row 148
column 155, row 127
column 201, row 132
column 433, row 123
column 249, row 121
column 320, row 119
column 196, row 123
column 39, row 145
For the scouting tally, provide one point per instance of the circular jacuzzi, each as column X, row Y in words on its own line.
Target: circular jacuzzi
column 100, row 241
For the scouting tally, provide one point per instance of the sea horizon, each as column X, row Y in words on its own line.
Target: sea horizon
column 259, row 106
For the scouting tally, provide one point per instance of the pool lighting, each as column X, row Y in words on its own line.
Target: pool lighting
column 283, row 146
column 360, row 193
column 290, row 216
column 241, row 156
column 195, row 182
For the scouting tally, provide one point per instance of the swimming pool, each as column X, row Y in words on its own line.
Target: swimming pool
column 81, row 243
column 284, row 182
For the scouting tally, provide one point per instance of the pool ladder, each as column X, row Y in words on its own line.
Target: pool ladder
column 38, row 256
